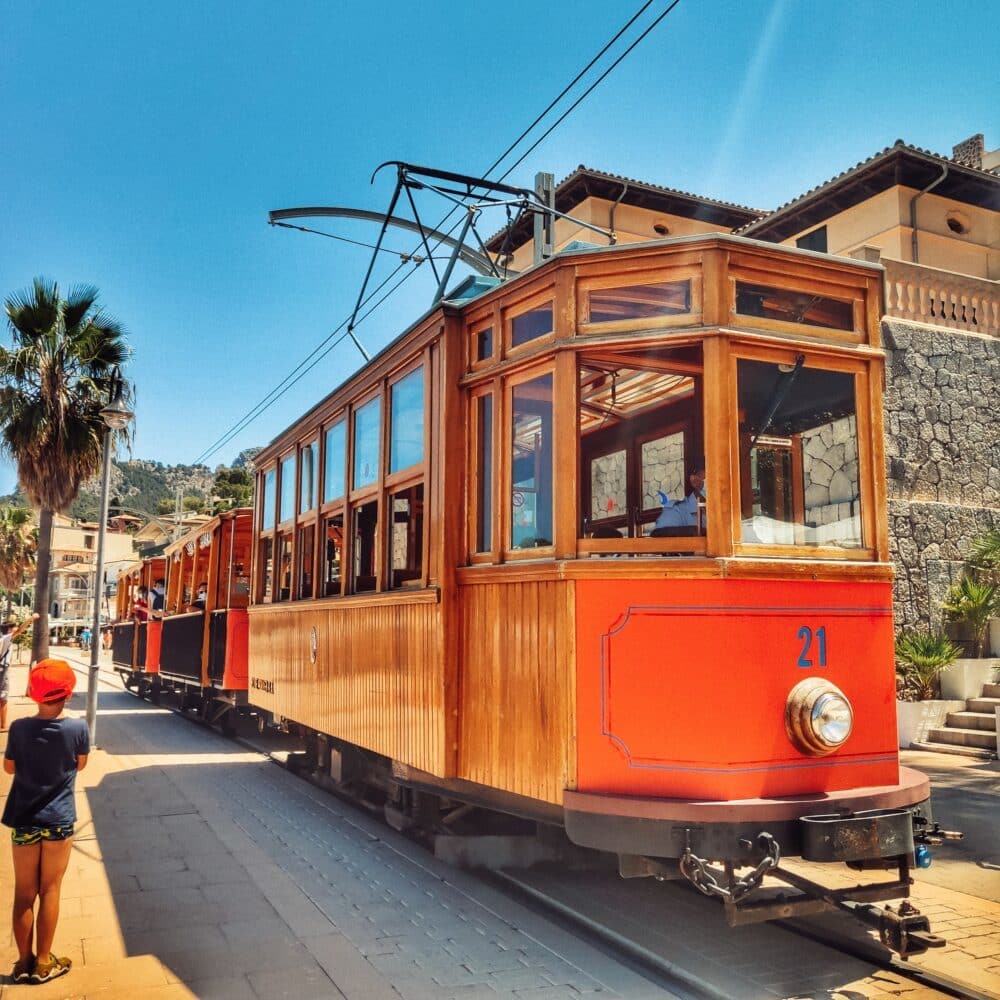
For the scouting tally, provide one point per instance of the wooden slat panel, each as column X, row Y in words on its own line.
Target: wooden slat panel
column 518, row 688
column 377, row 680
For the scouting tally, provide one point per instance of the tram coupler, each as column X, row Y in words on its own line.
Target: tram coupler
column 906, row 930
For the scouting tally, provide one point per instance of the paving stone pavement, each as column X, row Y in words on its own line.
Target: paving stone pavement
column 202, row 870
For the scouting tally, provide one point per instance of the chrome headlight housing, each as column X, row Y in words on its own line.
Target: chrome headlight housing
column 818, row 717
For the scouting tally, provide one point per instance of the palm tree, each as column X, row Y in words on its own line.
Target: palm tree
column 18, row 542
column 53, row 384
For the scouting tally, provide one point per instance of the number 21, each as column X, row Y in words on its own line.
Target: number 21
column 805, row 634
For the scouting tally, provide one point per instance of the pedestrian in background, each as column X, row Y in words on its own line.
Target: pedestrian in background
column 44, row 753
column 8, row 633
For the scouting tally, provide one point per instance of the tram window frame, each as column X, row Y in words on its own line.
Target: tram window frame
column 523, row 307
column 476, row 323
column 281, row 539
column 308, row 503
column 412, row 574
column 511, row 385
column 685, row 416
column 326, row 591
column 329, row 428
column 305, row 533
column 587, row 285
column 283, row 464
column 392, row 475
column 858, row 370
column 483, row 538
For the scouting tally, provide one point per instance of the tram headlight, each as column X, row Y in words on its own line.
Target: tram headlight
column 818, row 717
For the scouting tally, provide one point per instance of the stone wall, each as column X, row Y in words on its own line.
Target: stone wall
column 942, row 417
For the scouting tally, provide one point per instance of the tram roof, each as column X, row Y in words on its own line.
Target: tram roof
column 475, row 287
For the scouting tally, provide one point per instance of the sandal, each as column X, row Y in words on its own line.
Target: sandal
column 52, row 969
column 22, row 970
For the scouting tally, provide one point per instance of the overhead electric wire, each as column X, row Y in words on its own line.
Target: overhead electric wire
column 325, row 345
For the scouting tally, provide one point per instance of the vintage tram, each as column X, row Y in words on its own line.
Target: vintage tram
column 466, row 587
column 196, row 645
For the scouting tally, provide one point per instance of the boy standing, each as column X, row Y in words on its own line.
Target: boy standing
column 44, row 753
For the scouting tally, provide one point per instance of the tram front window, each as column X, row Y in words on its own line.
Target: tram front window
column 798, row 455
column 639, row 423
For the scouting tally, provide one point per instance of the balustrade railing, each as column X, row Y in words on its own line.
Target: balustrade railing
column 942, row 298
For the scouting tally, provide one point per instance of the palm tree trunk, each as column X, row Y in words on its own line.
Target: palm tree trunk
column 43, row 562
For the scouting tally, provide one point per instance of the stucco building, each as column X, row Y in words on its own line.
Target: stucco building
column 933, row 223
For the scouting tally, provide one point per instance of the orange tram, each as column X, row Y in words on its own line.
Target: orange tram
column 605, row 546
column 193, row 640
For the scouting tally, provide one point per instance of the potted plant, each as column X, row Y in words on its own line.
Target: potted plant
column 921, row 656
column 970, row 604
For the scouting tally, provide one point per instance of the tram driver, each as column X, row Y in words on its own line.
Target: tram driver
column 683, row 513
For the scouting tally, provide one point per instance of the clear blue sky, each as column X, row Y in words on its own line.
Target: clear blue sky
column 144, row 144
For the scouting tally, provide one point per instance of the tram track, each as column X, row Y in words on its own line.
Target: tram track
column 617, row 942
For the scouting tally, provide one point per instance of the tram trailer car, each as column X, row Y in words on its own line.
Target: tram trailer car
column 482, row 573
column 194, row 648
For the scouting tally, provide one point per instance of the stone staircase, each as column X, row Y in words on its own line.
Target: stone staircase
column 972, row 731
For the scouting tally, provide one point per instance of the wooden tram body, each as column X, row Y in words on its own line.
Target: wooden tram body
column 201, row 651
column 459, row 580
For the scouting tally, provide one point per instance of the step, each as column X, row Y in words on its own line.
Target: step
column 991, row 690
column 972, row 720
column 964, row 738
column 983, row 704
column 955, row 751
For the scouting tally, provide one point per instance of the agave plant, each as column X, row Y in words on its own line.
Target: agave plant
column 920, row 656
column 973, row 603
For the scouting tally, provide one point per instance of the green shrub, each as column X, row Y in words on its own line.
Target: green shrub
column 973, row 603
column 920, row 657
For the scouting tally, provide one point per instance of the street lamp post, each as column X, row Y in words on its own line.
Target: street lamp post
column 116, row 416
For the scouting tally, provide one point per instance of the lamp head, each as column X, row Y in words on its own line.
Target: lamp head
column 116, row 414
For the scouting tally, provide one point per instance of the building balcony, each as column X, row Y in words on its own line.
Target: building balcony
column 942, row 298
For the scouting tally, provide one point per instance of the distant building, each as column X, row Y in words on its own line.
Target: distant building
column 933, row 222
column 74, row 556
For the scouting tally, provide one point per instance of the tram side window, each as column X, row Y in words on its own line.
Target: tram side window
column 286, row 505
column 484, row 470
column 531, row 325
column 406, row 427
column 365, row 543
column 406, row 541
column 284, row 573
column 270, row 483
column 367, row 431
column 799, row 456
column 333, row 540
column 333, row 472
column 304, row 558
column 531, row 464
column 267, row 570
column 308, row 467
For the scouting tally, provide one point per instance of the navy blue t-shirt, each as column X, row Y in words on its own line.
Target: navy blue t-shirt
column 44, row 753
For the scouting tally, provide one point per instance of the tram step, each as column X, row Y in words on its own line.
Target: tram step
column 972, row 720
column 964, row 738
column 984, row 704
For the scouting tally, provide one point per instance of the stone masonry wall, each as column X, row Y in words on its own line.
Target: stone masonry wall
column 942, row 417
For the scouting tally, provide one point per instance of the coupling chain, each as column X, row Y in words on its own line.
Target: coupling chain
column 711, row 880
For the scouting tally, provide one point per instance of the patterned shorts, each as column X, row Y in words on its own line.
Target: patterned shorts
column 4, row 683
column 26, row 836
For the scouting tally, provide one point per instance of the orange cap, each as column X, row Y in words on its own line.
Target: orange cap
column 51, row 680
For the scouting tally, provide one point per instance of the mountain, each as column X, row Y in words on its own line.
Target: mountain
column 140, row 485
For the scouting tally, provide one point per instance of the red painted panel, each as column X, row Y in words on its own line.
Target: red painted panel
column 681, row 685
column 154, row 633
column 234, row 673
